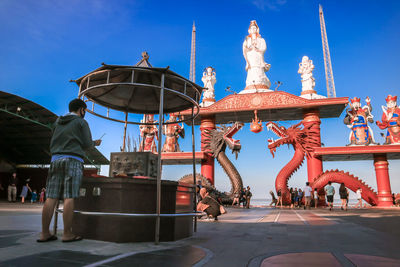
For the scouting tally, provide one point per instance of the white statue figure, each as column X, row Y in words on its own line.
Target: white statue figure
column 254, row 47
column 306, row 68
column 209, row 81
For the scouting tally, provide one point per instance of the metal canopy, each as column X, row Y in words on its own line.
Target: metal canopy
column 144, row 90
column 135, row 89
column 26, row 132
column 352, row 153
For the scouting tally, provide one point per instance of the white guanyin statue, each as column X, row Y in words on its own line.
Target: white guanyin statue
column 254, row 47
column 306, row 68
column 209, row 81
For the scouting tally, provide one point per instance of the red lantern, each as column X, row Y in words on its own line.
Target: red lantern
column 256, row 125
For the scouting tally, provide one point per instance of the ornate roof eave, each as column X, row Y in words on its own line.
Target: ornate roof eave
column 274, row 106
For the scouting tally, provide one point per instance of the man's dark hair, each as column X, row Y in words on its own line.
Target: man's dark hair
column 76, row 104
column 329, row 182
column 307, row 183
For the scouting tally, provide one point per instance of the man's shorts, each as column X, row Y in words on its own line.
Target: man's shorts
column 64, row 178
column 330, row 199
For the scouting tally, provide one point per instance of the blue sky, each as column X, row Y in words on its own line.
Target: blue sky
column 47, row 43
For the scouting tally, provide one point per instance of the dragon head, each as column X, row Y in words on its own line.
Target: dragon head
column 304, row 138
column 217, row 139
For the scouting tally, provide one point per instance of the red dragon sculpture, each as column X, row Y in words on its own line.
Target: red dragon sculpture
column 216, row 141
column 303, row 139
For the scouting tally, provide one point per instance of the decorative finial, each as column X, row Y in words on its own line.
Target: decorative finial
column 145, row 55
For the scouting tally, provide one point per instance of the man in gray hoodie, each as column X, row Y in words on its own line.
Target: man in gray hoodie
column 71, row 137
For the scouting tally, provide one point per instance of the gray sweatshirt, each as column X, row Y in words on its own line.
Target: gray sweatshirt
column 71, row 136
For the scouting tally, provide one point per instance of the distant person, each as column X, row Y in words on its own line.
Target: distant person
column 299, row 198
column 71, row 137
column 279, row 194
column 316, row 197
column 242, row 197
column 248, row 197
column 307, row 195
column 344, row 195
column 42, row 195
column 236, row 197
column 359, row 198
column 34, row 196
column 198, row 187
column 209, row 205
column 274, row 200
column 24, row 191
column 397, row 200
column 12, row 188
column 292, row 197
column 296, row 195
column 393, row 198
column 330, row 192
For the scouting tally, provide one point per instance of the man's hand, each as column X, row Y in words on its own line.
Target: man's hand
column 97, row 142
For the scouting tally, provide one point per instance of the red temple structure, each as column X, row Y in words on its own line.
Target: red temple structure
column 257, row 102
column 280, row 106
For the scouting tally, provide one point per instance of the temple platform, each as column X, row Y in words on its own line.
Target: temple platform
column 182, row 158
column 242, row 237
column 350, row 153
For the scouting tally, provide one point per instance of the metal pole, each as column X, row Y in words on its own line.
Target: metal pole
column 56, row 218
column 160, row 123
column 126, row 126
column 194, row 173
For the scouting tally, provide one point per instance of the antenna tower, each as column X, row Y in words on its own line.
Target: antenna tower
column 330, row 83
column 192, row 75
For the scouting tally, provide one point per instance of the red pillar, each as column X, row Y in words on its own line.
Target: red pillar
column 382, row 180
column 207, row 164
column 314, row 164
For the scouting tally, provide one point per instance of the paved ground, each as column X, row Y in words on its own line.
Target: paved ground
column 254, row 237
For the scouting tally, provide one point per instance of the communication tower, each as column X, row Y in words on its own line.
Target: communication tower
column 330, row 83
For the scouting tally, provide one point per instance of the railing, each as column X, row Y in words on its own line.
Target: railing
column 118, row 214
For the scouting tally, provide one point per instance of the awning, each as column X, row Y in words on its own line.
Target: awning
column 25, row 132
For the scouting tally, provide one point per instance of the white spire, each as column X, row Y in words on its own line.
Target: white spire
column 192, row 75
column 330, row 83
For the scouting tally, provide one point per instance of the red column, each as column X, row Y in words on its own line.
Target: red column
column 382, row 180
column 314, row 164
column 207, row 164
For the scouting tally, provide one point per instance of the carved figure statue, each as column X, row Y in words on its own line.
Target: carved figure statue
column 209, row 81
column 357, row 119
column 391, row 120
column 304, row 139
column 149, row 135
column 216, row 141
column 254, row 47
column 306, row 68
column 172, row 132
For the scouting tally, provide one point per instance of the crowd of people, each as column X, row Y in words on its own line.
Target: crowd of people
column 26, row 193
column 213, row 206
column 242, row 198
column 307, row 197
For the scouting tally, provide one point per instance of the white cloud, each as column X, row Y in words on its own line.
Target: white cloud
column 269, row 4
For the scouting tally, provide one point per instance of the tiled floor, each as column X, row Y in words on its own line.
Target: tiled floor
column 243, row 237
